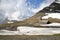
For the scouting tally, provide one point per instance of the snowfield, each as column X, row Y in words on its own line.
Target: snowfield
column 24, row 30
column 52, row 15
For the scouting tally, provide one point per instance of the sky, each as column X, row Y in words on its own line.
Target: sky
column 21, row 9
column 34, row 3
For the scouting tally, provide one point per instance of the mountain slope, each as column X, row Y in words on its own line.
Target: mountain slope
column 36, row 19
column 53, row 8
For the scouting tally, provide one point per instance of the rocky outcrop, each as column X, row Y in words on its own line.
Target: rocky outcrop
column 53, row 8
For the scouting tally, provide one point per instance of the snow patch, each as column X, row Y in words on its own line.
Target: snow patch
column 52, row 24
column 25, row 30
column 52, row 15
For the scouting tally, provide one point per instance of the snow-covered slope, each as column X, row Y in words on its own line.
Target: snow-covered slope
column 52, row 15
column 24, row 30
column 51, row 24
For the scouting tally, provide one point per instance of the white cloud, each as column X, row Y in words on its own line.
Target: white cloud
column 18, row 9
column 15, row 9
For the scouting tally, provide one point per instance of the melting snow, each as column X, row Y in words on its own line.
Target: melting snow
column 24, row 30
column 52, row 24
column 53, row 15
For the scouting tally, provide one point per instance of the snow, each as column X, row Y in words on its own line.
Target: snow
column 57, row 1
column 10, row 22
column 52, row 24
column 32, row 30
column 38, row 31
column 25, row 30
column 7, row 32
column 52, row 15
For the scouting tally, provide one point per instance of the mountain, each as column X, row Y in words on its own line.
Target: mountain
column 53, row 8
column 36, row 19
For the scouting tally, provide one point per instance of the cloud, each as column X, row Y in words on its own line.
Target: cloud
column 19, row 10
column 15, row 9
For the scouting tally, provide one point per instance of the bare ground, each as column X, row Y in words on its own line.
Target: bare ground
column 32, row 37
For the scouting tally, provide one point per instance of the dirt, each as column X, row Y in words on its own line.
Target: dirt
column 32, row 37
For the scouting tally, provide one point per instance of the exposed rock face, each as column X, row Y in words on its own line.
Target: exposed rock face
column 57, row 1
column 53, row 8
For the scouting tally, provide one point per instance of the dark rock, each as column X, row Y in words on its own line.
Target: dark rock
column 53, row 8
